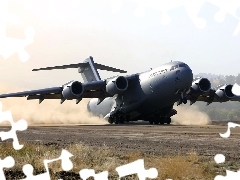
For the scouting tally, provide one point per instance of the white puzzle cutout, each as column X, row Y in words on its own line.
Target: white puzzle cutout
column 65, row 162
column 8, row 162
column 137, row 167
column 20, row 125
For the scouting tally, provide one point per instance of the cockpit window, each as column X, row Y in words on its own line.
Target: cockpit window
column 183, row 65
column 174, row 67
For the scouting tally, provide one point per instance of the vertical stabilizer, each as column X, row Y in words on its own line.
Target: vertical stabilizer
column 89, row 71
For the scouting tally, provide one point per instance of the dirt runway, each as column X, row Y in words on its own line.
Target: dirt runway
column 150, row 139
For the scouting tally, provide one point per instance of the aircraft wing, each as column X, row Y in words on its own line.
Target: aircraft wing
column 236, row 98
column 205, row 97
column 71, row 90
column 33, row 92
column 201, row 91
column 77, row 90
column 213, row 96
column 93, row 87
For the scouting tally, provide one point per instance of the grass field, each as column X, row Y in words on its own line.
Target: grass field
column 190, row 166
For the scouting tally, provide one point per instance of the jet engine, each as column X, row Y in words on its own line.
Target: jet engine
column 117, row 85
column 224, row 93
column 200, row 86
column 73, row 90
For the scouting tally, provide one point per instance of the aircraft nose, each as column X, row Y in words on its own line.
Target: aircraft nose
column 187, row 76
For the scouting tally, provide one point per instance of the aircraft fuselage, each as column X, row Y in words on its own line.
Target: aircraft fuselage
column 154, row 91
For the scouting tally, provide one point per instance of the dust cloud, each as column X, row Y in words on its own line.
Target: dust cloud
column 190, row 115
column 49, row 111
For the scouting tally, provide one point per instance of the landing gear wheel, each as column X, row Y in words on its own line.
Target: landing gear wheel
column 150, row 120
column 162, row 120
column 116, row 120
column 127, row 118
column 110, row 120
column 168, row 120
column 184, row 100
column 121, row 119
column 156, row 122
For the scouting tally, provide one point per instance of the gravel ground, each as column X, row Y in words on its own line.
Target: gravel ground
column 150, row 139
column 162, row 140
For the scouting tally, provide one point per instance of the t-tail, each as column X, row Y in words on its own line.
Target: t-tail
column 88, row 69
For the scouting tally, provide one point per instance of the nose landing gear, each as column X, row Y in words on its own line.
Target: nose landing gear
column 182, row 99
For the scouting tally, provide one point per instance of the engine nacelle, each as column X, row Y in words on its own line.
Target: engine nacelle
column 73, row 90
column 224, row 93
column 117, row 85
column 200, row 86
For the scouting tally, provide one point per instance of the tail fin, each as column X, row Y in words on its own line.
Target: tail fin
column 88, row 69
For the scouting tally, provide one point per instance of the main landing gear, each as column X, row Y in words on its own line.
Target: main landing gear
column 160, row 120
column 118, row 119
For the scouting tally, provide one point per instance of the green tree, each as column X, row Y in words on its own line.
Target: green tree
column 223, row 114
column 222, row 81
column 230, row 116
column 230, row 79
column 238, row 78
column 212, row 113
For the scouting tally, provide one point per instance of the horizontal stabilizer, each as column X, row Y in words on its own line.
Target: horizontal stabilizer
column 88, row 69
column 82, row 65
column 108, row 68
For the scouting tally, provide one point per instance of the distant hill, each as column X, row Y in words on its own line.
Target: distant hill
column 209, row 76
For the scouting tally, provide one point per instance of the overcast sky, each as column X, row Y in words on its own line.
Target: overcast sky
column 124, row 33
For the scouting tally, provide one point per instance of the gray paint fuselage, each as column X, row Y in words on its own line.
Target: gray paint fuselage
column 152, row 91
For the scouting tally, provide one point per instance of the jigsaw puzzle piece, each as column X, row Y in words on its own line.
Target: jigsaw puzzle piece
column 230, row 175
column 219, row 158
column 8, row 45
column 20, row 125
column 65, row 162
column 236, row 89
column 193, row 8
column 230, row 125
column 8, row 162
column 28, row 171
column 137, row 167
column 87, row 173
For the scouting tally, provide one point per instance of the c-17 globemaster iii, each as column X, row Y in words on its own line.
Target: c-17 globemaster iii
column 147, row 96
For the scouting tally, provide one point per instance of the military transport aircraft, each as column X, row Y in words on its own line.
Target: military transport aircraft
column 148, row 96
